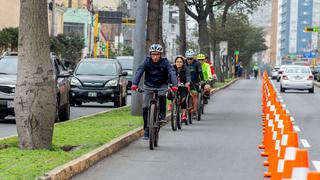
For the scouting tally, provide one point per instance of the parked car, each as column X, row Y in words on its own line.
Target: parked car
column 99, row 80
column 280, row 71
column 315, row 72
column 8, row 77
column 297, row 77
column 127, row 66
column 274, row 72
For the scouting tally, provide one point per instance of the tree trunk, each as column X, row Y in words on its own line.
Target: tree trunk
column 153, row 26
column 35, row 97
column 213, row 43
column 182, row 27
column 203, row 36
column 160, row 27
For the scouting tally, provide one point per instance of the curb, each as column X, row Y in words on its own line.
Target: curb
column 223, row 87
column 84, row 162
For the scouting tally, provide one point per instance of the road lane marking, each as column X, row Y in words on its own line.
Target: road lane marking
column 296, row 128
column 305, row 143
column 316, row 165
column 292, row 119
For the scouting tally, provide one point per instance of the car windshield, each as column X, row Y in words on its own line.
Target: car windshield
column 9, row 65
column 126, row 63
column 297, row 70
column 130, row 72
column 97, row 68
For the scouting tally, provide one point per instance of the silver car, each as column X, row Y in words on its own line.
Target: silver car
column 274, row 72
column 297, row 77
column 280, row 71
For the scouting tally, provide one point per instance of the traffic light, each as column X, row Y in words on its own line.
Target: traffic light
column 311, row 29
column 103, row 47
column 236, row 52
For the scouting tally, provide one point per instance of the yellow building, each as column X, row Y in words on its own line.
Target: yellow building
column 10, row 13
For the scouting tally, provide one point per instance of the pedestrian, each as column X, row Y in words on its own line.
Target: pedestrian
column 255, row 71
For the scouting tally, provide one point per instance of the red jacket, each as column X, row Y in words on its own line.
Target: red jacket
column 211, row 66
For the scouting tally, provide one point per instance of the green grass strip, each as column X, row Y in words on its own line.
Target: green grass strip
column 90, row 133
column 221, row 84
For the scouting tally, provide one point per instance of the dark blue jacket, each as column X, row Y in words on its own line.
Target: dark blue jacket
column 156, row 74
column 195, row 71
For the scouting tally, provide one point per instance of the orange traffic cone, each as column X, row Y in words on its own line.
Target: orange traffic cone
column 313, row 175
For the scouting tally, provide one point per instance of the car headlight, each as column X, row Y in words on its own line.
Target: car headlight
column 112, row 83
column 75, row 82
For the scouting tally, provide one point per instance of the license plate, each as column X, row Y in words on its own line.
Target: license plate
column 10, row 104
column 92, row 94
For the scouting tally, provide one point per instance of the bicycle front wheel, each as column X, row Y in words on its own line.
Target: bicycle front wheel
column 178, row 119
column 152, row 121
column 173, row 115
column 199, row 106
column 189, row 105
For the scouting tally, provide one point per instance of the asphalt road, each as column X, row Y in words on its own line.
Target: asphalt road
column 8, row 126
column 304, row 108
column 221, row 147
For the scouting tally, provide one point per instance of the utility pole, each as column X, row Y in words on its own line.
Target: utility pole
column 96, row 35
column 53, row 18
column 139, row 52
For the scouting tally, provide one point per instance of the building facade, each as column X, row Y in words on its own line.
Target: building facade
column 262, row 18
column 10, row 15
column 171, row 30
column 295, row 15
column 274, row 34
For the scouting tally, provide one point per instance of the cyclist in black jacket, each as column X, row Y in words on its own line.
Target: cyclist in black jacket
column 158, row 72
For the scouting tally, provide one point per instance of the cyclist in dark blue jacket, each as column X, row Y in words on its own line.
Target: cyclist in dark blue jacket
column 158, row 72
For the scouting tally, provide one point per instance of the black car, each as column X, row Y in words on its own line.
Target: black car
column 99, row 80
column 127, row 65
column 8, row 77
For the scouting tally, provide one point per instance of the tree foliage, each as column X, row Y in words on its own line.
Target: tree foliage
column 68, row 47
column 9, row 39
column 241, row 35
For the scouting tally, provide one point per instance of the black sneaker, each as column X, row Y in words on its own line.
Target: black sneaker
column 146, row 135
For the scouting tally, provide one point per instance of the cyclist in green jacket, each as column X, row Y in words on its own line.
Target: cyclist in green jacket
column 207, row 76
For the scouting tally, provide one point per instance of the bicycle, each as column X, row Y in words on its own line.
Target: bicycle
column 176, row 121
column 189, row 107
column 153, row 122
column 175, row 111
column 200, row 101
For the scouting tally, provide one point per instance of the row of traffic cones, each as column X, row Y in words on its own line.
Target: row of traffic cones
column 280, row 142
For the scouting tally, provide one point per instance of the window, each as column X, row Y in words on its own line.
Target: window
column 75, row 28
column 97, row 68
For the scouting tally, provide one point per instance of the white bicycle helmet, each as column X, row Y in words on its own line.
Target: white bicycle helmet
column 190, row 54
column 156, row 48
